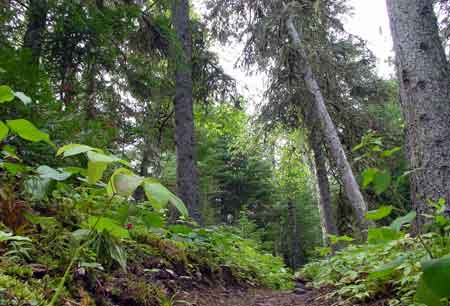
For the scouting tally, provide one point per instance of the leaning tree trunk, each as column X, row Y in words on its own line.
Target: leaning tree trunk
column 187, row 181
column 329, row 130
column 424, row 89
column 36, row 17
column 325, row 207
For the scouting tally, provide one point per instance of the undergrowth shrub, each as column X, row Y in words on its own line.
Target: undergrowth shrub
column 243, row 256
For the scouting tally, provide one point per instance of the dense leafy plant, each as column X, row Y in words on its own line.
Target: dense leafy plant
column 409, row 270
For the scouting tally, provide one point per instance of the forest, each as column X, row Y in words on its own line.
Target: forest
column 135, row 171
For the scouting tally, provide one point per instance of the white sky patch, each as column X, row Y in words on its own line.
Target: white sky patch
column 368, row 21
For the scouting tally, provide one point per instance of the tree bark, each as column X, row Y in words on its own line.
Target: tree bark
column 325, row 207
column 329, row 130
column 37, row 18
column 187, row 181
column 424, row 79
column 295, row 254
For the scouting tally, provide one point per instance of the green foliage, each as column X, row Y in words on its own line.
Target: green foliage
column 409, row 271
column 6, row 94
column 434, row 285
column 367, row 272
column 244, row 257
column 379, row 214
column 14, row 292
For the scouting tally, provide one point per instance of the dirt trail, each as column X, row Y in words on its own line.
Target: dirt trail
column 250, row 297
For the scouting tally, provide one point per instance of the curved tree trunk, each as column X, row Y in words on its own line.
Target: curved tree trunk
column 424, row 89
column 187, row 181
column 329, row 130
column 325, row 208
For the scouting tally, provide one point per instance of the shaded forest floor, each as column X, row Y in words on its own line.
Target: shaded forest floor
column 264, row 297
column 248, row 297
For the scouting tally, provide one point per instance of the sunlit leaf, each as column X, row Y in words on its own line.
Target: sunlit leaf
column 95, row 171
column 26, row 130
column 101, row 158
column 368, row 176
column 387, row 269
column 389, row 153
column 381, row 181
column 180, row 229
column 382, row 235
column 336, row 239
column 3, row 130
column 379, row 213
column 10, row 152
column 54, row 174
column 400, row 221
column 152, row 220
column 106, row 224
column 73, row 149
column 14, row 168
column 123, row 182
column 157, row 192
column 6, row 94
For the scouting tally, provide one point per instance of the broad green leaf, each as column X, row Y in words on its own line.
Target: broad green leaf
column 381, row 181
column 4, row 236
column 26, row 130
column 389, row 153
column 424, row 295
column 387, row 269
column 180, row 229
column 123, row 182
column 44, row 222
column 382, row 235
column 23, row 97
column 3, row 130
column 6, row 94
column 400, row 221
column 123, row 213
column 336, row 239
column 81, row 234
column 109, row 225
column 97, row 157
column 37, row 187
column 119, row 255
column 54, row 174
column 73, row 149
column 157, row 192
column 14, row 168
column 358, row 147
column 152, row 220
column 75, row 170
column 435, row 281
column 95, row 171
column 379, row 213
column 10, row 152
column 368, row 176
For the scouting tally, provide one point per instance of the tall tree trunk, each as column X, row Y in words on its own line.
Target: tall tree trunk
column 325, row 207
column 424, row 89
column 329, row 130
column 187, row 181
column 296, row 253
column 91, row 99
column 37, row 17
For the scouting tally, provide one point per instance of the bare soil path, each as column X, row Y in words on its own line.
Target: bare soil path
column 249, row 297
